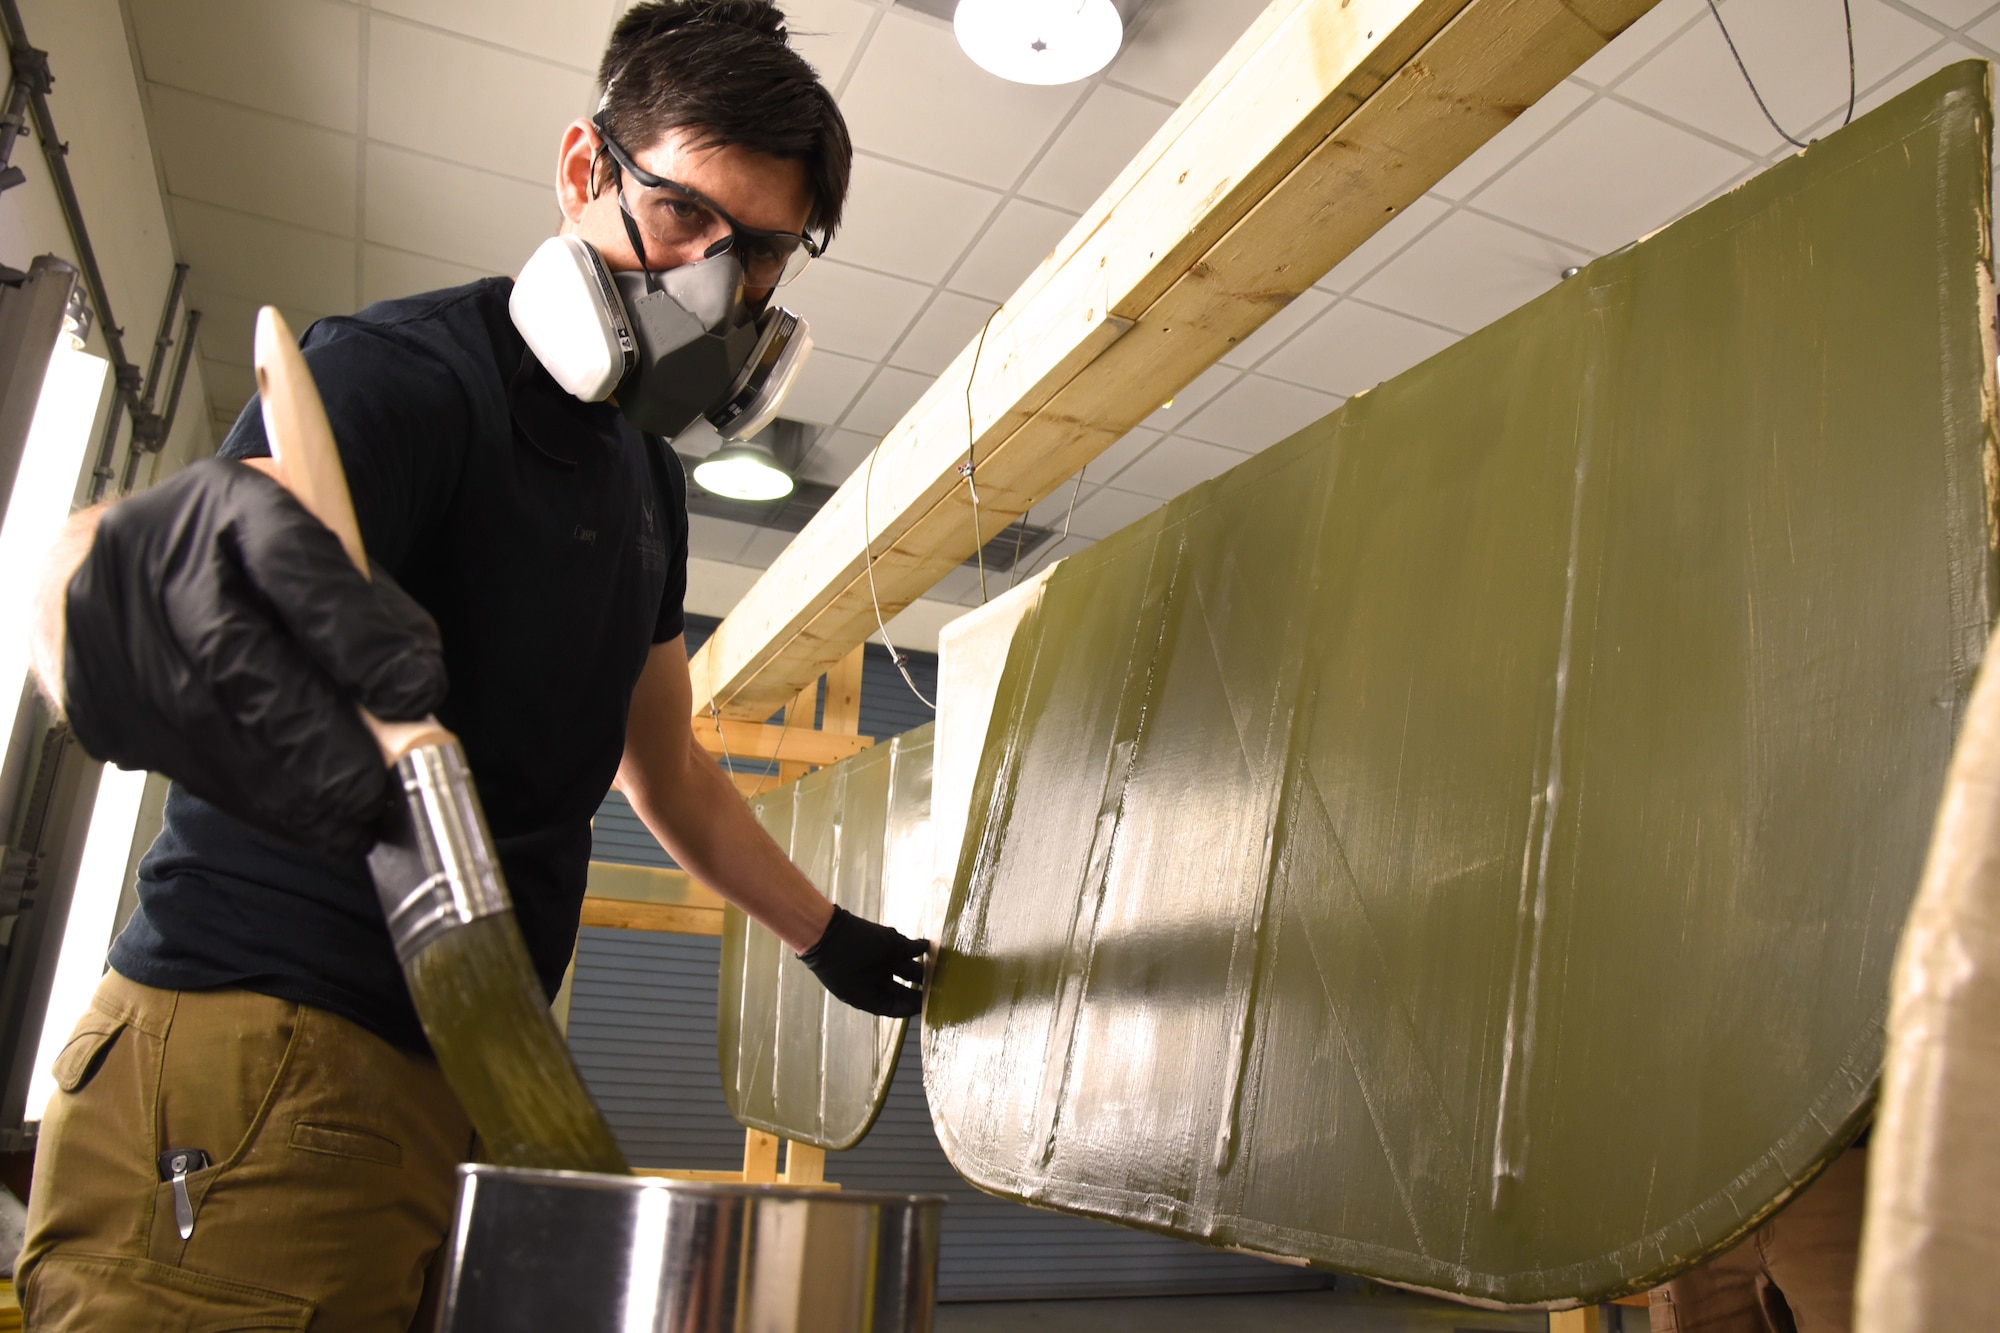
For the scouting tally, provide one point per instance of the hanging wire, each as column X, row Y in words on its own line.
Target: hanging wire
column 971, row 468
column 901, row 659
column 729, row 760
column 1055, row 545
column 1847, row 11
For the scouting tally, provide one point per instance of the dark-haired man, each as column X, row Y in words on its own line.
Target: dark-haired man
column 531, row 550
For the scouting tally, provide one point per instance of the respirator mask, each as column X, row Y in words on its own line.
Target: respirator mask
column 672, row 346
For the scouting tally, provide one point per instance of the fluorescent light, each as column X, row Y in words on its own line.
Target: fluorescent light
column 747, row 471
column 100, row 878
column 1039, row 41
column 44, row 486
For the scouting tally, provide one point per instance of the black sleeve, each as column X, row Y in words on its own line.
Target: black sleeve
column 400, row 420
column 672, row 622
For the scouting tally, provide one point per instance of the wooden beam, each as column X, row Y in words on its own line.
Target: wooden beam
column 804, row 1164
column 797, row 743
column 843, row 694
column 760, row 1157
column 649, row 884
column 711, row 1177
column 662, row 918
column 621, row 897
column 1326, row 119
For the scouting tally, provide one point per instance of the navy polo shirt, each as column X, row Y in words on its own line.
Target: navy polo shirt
column 548, row 538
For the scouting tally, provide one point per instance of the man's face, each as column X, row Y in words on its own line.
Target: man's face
column 757, row 190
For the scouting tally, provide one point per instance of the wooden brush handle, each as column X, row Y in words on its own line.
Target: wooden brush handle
column 301, row 441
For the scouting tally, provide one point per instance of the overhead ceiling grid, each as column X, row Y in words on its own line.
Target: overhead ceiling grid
column 320, row 155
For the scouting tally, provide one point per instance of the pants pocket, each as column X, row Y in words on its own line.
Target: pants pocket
column 86, row 1291
column 347, row 1141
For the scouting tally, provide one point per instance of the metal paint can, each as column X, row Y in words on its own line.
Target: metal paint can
column 540, row 1250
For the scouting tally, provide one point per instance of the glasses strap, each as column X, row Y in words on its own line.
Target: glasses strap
column 632, row 234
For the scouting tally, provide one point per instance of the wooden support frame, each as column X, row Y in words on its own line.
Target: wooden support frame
column 1327, row 118
column 625, row 897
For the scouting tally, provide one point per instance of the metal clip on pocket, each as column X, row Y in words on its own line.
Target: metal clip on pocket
column 175, row 1164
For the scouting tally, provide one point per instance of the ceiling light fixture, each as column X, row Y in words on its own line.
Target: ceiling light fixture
column 1039, row 41
column 746, row 471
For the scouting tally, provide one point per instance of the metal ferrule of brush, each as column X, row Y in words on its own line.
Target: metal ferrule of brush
column 433, row 872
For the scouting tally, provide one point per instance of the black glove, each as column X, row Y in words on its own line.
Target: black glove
column 218, row 633
column 869, row 965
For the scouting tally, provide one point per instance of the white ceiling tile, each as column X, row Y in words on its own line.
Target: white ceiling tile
column 1124, row 451
column 1609, row 177
column 1105, row 510
column 1256, row 412
column 914, row 95
column 852, row 310
column 962, row 586
column 228, row 323
column 828, row 33
column 826, row 386
column 1020, row 238
column 387, row 274
column 1954, row 13
column 1376, row 251
column 1468, row 271
column 1354, row 347
column 835, row 455
column 1987, row 31
column 457, row 99
column 298, row 58
column 1950, row 53
column 1176, row 42
column 907, row 221
column 1528, row 129
column 1173, row 465
column 1057, row 508
column 716, row 538
column 1191, row 396
column 571, row 32
column 1644, row 37
column 1107, row 131
column 455, row 213
column 764, row 546
column 883, row 403
column 698, row 439
column 264, row 261
column 1303, row 308
column 282, row 169
column 947, row 327
column 1796, row 52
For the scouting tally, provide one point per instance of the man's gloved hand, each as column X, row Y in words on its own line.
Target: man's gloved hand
column 869, row 965
column 218, row 633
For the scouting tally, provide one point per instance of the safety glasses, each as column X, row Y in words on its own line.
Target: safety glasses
column 676, row 216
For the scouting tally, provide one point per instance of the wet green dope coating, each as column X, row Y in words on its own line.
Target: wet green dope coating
column 488, row 1023
column 795, row 1061
column 1465, row 844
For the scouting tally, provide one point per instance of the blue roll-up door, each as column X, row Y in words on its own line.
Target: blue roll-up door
column 642, row 1023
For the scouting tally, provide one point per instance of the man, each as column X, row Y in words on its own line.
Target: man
column 531, row 558
column 1793, row 1274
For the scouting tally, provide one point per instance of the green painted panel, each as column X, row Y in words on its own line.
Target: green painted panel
column 795, row 1061
column 1465, row 844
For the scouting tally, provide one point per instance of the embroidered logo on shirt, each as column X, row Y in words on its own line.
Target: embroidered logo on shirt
column 652, row 551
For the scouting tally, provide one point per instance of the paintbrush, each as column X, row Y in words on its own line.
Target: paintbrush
column 440, row 884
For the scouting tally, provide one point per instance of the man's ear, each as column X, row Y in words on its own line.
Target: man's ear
column 573, row 169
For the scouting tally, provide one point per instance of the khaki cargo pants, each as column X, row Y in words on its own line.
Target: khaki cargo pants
column 1794, row 1274
column 333, row 1173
